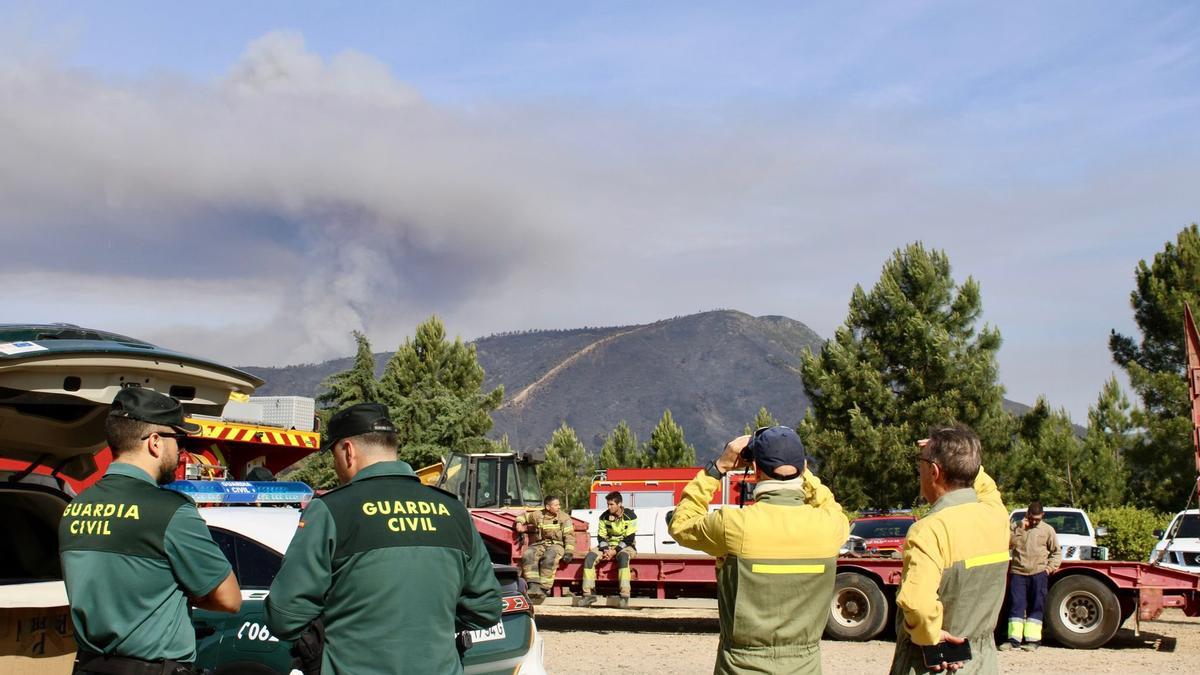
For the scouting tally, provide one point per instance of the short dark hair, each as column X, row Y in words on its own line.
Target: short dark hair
column 550, row 498
column 125, row 433
column 955, row 448
column 380, row 439
column 1035, row 508
column 613, row 496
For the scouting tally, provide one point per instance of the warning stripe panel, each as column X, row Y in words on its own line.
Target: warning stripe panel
column 251, row 434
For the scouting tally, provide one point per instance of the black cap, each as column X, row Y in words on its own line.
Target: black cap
column 362, row 418
column 145, row 405
column 773, row 447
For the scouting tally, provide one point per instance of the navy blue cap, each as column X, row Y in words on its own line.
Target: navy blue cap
column 773, row 447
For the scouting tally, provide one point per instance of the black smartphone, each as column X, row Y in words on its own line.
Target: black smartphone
column 946, row 652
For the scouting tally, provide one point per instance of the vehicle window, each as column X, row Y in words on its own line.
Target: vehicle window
column 254, row 565
column 486, row 483
column 1190, row 527
column 1067, row 522
column 531, row 490
column 881, row 528
column 456, row 477
column 645, row 500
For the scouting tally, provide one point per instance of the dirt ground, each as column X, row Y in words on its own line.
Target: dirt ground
column 663, row 642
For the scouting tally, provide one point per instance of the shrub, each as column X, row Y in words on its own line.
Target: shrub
column 1130, row 530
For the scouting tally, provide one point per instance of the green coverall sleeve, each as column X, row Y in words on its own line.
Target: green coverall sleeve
column 693, row 525
column 298, row 591
column 195, row 558
column 479, row 602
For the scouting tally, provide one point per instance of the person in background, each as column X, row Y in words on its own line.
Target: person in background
column 551, row 538
column 1035, row 556
column 616, row 537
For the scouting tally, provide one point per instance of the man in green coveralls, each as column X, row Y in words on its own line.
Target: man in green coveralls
column 392, row 568
column 134, row 554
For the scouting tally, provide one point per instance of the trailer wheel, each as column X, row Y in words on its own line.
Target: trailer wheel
column 1082, row 612
column 858, row 610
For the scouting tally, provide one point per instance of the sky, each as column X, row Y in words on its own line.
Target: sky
column 252, row 181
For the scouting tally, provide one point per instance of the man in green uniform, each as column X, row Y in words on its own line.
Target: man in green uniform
column 955, row 561
column 392, row 568
column 776, row 559
column 616, row 537
column 134, row 554
column 551, row 537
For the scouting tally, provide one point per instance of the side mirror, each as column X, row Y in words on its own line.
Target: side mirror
column 1102, row 531
column 1158, row 534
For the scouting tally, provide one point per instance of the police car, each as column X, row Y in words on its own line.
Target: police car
column 253, row 522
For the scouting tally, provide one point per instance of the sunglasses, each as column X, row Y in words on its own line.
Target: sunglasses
column 166, row 434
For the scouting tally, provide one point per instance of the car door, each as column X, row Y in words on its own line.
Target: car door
column 242, row 643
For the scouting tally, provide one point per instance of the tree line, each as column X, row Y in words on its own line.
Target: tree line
column 910, row 355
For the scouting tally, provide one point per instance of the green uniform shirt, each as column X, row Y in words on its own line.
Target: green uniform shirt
column 394, row 568
column 132, row 553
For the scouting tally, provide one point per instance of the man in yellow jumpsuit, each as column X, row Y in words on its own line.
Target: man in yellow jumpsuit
column 955, row 560
column 776, row 559
column 551, row 539
column 616, row 539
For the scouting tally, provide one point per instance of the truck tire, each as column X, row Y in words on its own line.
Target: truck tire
column 859, row 609
column 1082, row 612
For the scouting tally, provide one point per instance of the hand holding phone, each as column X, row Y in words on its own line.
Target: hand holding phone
column 949, row 654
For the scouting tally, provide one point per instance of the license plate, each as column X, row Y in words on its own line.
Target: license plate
column 488, row 634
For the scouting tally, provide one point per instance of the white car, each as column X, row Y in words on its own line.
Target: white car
column 1076, row 535
column 1183, row 553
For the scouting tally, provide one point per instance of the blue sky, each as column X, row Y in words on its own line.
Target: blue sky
column 516, row 165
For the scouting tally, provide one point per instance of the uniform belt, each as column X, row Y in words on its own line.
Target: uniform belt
column 89, row 662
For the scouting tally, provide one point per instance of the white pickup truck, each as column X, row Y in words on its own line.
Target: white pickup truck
column 1076, row 535
column 1183, row 553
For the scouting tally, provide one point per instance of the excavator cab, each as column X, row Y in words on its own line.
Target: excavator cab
column 489, row 480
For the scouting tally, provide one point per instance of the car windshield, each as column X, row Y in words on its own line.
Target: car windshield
column 1063, row 522
column 1190, row 527
column 881, row 528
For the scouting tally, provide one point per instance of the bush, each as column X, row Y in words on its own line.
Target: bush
column 1130, row 531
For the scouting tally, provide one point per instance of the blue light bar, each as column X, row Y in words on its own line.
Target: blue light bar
column 243, row 492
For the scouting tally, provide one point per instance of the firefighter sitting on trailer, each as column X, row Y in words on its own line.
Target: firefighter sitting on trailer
column 551, row 537
column 616, row 536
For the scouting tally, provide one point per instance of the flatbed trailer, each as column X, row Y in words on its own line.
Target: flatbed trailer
column 1087, row 601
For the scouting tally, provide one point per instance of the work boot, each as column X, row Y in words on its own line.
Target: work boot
column 623, row 602
column 584, row 600
column 1009, row 645
column 1031, row 646
column 535, row 593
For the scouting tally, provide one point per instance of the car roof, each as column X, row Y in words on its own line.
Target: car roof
column 885, row 516
column 271, row 526
column 1060, row 509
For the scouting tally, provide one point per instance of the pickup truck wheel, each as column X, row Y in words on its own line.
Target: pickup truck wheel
column 1082, row 612
column 858, row 610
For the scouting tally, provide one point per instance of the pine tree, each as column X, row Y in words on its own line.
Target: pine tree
column 340, row 390
column 1159, row 460
column 567, row 471
column 433, row 389
column 621, row 449
column 667, row 446
column 1043, row 463
column 1109, row 436
column 908, row 357
column 762, row 419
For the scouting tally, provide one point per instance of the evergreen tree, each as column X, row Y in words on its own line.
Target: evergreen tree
column 621, row 449
column 1161, row 471
column 433, row 389
column 908, row 357
column 667, row 446
column 1109, row 436
column 762, row 419
column 340, row 390
column 356, row 385
column 1043, row 463
column 567, row 471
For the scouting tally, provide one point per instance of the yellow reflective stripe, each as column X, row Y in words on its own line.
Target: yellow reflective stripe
column 989, row 559
column 762, row 568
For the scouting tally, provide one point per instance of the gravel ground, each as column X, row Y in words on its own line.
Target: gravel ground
column 664, row 642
